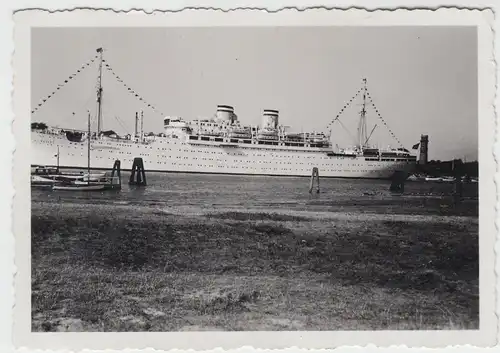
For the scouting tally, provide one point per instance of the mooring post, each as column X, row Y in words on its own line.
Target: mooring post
column 138, row 175
column 398, row 181
column 117, row 170
column 458, row 189
column 458, row 170
column 315, row 174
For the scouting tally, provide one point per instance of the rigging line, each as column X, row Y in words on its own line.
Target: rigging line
column 122, row 124
column 347, row 105
column 382, row 119
column 337, row 117
column 348, row 132
column 371, row 133
column 332, row 122
column 130, row 90
column 81, row 107
column 61, row 85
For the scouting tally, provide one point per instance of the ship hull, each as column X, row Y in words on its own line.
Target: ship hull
column 183, row 156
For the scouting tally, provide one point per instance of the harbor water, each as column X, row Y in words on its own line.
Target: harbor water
column 205, row 192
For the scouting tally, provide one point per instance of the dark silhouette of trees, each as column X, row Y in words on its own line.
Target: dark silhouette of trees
column 38, row 126
column 456, row 167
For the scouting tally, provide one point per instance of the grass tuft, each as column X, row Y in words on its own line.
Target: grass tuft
column 257, row 216
column 129, row 269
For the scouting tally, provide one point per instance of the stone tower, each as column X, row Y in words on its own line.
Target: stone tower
column 424, row 143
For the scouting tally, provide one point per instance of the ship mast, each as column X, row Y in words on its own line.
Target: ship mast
column 88, row 146
column 58, row 158
column 99, row 93
column 362, row 121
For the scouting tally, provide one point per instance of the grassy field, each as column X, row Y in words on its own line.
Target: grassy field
column 120, row 268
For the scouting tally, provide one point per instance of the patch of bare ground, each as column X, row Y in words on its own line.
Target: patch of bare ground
column 126, row 269
column 257, row 216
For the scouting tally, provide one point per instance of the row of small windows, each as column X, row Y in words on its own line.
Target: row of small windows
column 273, row 154
column 169, row 141
column 261, row 155
column 263, row 168
column 252, row 167
column 238, row 161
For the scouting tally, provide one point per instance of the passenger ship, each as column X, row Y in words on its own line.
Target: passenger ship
column 219, row 145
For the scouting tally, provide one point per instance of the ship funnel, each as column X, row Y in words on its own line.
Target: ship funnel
column 270, row 119
column 225, row 113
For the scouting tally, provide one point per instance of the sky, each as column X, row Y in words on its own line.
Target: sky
column 423, row 80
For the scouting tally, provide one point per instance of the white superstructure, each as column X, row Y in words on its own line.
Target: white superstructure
column 217, row 145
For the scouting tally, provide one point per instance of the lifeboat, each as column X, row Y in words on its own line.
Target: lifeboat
column 267, row 135
column 294, row 137
column 75, row 136
column 211, row 133
column 239, row 133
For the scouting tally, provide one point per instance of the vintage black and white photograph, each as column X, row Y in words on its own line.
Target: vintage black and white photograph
column 255, row 178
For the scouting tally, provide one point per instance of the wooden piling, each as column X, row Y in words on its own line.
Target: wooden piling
column 458, row 172
column 116, row 170
column 457, row 190
column 398, row 181
column 138, row 175
column 314, row 175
